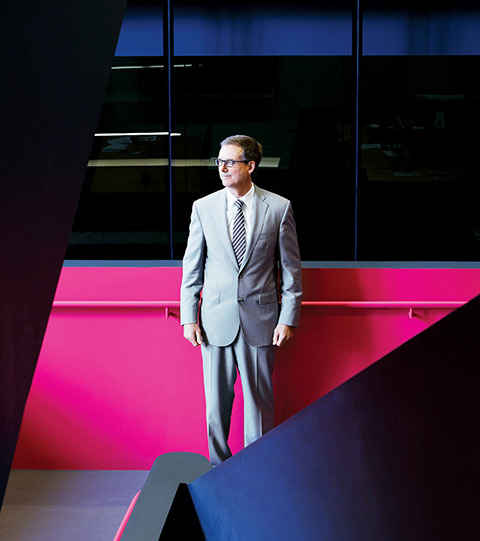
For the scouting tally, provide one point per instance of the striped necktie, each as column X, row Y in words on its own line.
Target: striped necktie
column 239, row 240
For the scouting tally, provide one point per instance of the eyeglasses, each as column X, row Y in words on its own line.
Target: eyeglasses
column 228, row 163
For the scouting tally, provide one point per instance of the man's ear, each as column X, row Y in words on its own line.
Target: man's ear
column 251, row 167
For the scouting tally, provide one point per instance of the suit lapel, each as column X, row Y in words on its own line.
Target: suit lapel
column 259, row 210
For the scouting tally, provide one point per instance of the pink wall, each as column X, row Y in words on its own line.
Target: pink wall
column 117, row 386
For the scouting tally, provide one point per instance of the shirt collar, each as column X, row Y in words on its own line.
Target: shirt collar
column 247, row 198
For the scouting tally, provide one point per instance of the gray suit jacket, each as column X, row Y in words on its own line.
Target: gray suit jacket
column 246, row 296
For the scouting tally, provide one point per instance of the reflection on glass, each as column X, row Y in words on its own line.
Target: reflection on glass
column 123, row 211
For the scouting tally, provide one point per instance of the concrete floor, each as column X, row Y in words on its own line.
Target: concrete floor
column 48, row 505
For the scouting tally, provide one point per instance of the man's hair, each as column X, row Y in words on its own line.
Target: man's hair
column 252, row 149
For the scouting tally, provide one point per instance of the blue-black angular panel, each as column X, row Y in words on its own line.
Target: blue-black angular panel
column 391, row 454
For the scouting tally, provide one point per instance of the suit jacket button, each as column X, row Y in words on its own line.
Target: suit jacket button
column 240, row 300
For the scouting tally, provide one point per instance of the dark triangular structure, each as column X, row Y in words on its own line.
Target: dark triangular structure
column 182, row 520
column 56, row 59
column 392, row 454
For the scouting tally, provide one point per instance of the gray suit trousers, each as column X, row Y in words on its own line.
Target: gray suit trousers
column 255, row 366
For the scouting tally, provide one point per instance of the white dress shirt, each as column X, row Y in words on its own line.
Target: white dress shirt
column 247, row 211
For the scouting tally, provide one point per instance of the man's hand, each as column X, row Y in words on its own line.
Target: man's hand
column 282, row 334
column 193, row 333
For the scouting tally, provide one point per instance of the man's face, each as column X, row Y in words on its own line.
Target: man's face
column 237, row 177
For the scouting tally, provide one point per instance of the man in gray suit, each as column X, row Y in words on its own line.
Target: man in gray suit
column 242, row 257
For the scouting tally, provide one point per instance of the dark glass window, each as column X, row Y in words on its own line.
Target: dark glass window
column 297, row 108
column 124, row 210
column 419, row 191
column 285, row 76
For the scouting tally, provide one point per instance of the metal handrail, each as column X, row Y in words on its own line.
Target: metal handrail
column 409, row 305
column 385, row 304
